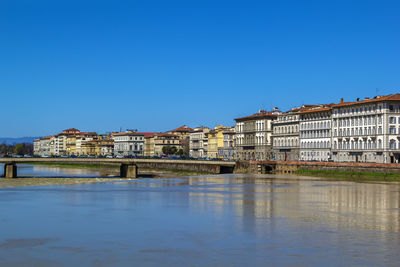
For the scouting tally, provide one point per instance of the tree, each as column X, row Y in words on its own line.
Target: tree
column 185, row 143
column 180, row 152
column 19, row 149
column 22, row 149
column 169, row 150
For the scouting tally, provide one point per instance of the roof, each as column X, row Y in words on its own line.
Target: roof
column 87, row 133
column 299, row 109
column 260, row 114
column 71, row 130
column 183, row 128
column 319, row 108
column 128, row 134
column 394, row 97
column 161, row 135
column 148, row 134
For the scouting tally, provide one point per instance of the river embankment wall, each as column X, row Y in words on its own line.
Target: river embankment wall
column 262, row 167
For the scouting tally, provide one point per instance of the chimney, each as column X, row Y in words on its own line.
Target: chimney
column 367, row 98
column 358, row 99
column 341, row 100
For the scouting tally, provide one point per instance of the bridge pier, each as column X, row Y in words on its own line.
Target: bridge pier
column 128, row 170
column 10, row 170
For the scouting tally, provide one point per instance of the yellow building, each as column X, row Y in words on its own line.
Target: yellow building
column 84, row 145
column 216, row 142
column 153, row 145
column 71, row 145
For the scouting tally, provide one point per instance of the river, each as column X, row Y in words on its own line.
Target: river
column 227, row 220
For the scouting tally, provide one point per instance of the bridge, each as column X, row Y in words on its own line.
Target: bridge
column 128, row 167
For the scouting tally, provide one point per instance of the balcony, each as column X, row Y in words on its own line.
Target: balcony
column 196, row 146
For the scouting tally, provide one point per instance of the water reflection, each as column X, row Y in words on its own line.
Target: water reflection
column 342, row 204
column 208, row 220
column 27, row 170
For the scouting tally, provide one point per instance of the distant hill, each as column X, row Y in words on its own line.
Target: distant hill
column 11, row 141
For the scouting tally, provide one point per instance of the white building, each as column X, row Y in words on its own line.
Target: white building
column 36, row 147
column 129, row 143
column 367, row 130
column 286, row 134
column 198, row 142
column 60, row 141
column 253, row 136
column 315, row 133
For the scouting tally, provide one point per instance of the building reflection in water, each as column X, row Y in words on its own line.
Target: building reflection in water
column 300, row 200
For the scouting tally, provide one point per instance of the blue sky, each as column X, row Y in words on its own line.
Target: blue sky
column 156, row 65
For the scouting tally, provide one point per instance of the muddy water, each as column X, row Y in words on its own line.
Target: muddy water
column 228, row 220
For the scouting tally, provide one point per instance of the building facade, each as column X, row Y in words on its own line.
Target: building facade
column 228, row 148
column 253, row 136
column 60, row 141
column 286, row 135
column 198, row 142
column 315, row 133
column 367, row 130
column 155, row 143
column 128, row 143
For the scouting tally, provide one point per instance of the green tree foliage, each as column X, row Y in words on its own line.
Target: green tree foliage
column 6, row 149
column 180, row 152
column 169, row 150
column 19, row 149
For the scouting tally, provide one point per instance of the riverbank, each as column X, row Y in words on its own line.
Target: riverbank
column 351, row 176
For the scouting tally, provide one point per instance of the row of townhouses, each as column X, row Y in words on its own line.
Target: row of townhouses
column 365, row 130
column 72, row 142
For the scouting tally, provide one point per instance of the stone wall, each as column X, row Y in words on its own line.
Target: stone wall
column 208, row 168
column 292, row 166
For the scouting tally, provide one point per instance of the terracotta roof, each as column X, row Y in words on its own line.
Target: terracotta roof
column 183, row 128
column 260, row 114
column 65, row 134
column 71, row 130
column 128, row 134
column 87, row 133
column 303, row 107
column 148, row 134
column 394, row 97
column 317, row 109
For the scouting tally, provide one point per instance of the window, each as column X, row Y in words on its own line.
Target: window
column 392, row 119
column 392, row 144
column 392, row 130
